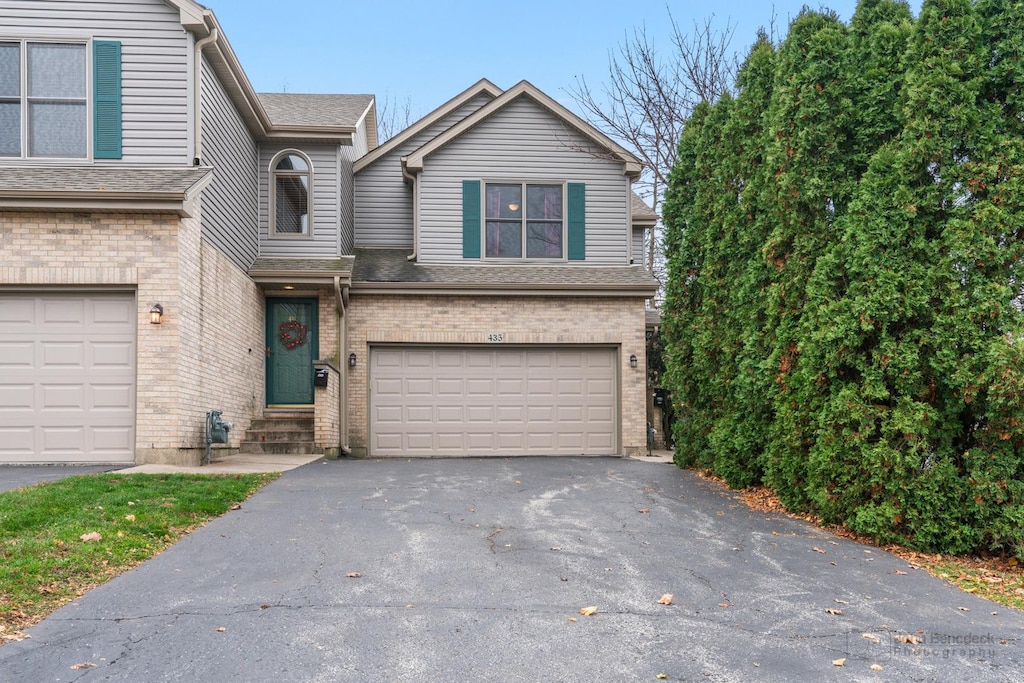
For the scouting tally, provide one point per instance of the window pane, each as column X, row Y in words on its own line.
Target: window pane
column 57, row 129
column 544, row 202
column 292, row 210
column 10, row 129
column 56, row 70
column 292, row 162
column 504, row 201
column 504, row 240
column 10, row 70
column 544, row 240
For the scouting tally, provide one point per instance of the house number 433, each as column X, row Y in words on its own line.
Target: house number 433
column 496, row 337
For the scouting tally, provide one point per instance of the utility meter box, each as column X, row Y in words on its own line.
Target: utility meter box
column 216, row 428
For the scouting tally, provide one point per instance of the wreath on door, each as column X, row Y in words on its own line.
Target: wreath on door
column 293, row 333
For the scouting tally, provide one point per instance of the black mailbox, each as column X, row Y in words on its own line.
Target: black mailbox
column 320, row 378
column 659, row 397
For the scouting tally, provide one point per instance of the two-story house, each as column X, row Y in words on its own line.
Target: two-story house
column 172, row 242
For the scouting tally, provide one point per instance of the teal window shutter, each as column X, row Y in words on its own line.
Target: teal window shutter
column 106, row 85
column 577, row 221
column 470, row 219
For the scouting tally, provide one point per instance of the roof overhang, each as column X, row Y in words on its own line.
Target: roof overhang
column 99, row 199
column 303, row 271
column 469, row 289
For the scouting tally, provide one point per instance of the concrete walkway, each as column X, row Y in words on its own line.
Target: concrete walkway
column 234, row 464
column 477, row 569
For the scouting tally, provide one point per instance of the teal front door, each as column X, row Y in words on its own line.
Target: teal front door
column 291, row 350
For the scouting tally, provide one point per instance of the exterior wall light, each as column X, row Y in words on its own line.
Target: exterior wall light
column 156, row 314
column 632, row 361
column 351, row 360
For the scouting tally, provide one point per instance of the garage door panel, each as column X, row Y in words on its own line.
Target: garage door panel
column 67, row 377
column 63, row 355
column 17, row 397
column 111, row 397
column 63, row 311
column 62, row 397
column 15, row 355
column 494, row 401
column 112, row 355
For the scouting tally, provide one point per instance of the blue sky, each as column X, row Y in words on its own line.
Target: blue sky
column 429, row 51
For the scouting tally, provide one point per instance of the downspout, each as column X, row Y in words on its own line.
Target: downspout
column 341, row 303
column 197, row 157
column 415, row 212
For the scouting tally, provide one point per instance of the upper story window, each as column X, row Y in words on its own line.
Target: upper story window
column 291, row 179
column 533, row 228
column 43, row 100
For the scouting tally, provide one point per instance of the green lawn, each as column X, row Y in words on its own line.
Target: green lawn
column 49, row 550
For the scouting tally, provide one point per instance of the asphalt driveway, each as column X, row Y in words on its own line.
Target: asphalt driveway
column 475, row 570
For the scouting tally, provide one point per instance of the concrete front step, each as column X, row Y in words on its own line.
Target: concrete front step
column 280, row 432
column 277, row 447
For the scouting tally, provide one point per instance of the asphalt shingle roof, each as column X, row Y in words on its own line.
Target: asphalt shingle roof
column 296, row 109
column 124, row 180
column 640, row 209
column 378, row 266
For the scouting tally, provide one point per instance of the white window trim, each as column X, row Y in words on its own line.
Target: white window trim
column 523, row 221
column 23, row 97
column 272, row 204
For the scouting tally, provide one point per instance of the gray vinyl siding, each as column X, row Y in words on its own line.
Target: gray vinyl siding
column 230, row 203
column 325, row 161
column 155, row 54
column 383, row 200
column 639, row 253
column 523, row 141
column 346, row 235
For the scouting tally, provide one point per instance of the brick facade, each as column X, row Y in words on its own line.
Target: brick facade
column 548, row 321
column 206, row 354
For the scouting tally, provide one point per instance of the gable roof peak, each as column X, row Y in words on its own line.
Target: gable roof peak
column 481, row 87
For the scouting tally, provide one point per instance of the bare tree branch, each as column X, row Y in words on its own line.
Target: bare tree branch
column 649, row 96
column 393, row 116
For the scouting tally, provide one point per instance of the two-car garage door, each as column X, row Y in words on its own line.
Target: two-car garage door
column 493, row 401
column 67, row 377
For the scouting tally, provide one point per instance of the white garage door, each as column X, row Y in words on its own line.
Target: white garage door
column 67, row 378
column 493, row 401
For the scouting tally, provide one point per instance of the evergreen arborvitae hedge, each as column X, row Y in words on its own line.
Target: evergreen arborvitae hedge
column 843, row 317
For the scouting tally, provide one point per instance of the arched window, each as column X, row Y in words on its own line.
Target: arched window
column 290, row 182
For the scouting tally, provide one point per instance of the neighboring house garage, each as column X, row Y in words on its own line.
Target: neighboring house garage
column 67, row 377
column 493, row 400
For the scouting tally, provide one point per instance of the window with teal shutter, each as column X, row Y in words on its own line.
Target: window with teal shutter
column 106, row 69
column 577, row 236
column 470, row 219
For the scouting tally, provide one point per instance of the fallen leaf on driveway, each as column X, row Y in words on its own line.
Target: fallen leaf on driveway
column 875, row 667
column 221, row 629
column 588, row 611
column 964, row 609
column 666, row 599
column 83, row 665
column 841, row 602
column 908, row 639
column 723, row 604
column 645, row 510
column 91, row 536
column 829, row 610
column 572, row 618
column 839, row 662
column 661, row 677
column 872, row 637
column 819, row 550
column 555, row 547
column 898, row 572
column 236, row 506
column 353, row 575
